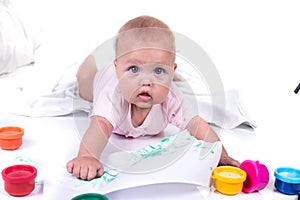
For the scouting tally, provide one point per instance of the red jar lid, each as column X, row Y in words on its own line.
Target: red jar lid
column 19, row 173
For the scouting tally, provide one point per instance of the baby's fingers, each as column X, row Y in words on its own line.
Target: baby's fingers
column 84, row 172
column 95, row 172
column 74, row 168
column 77, row 171
column 100, row 172
column 70, row 166
column 234, row 163
column 227, row 160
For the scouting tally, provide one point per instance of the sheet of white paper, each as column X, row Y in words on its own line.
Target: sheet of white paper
column 183, row 159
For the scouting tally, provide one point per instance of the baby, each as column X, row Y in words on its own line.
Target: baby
column 136, row 96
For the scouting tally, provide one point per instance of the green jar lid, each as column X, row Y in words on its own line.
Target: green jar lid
column 90, row 196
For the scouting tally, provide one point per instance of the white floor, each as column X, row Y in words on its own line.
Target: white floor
column 50, row 142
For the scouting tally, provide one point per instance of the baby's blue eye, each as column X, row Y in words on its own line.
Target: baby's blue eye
column 134, row 69
column 159, row 70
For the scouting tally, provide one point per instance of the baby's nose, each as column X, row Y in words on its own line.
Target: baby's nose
column 146, row 80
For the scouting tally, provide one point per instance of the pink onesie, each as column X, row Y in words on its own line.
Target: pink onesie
column 110, row 104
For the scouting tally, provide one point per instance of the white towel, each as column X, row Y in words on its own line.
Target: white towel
column 229, row 115
column 23, row 95
column 66, row 101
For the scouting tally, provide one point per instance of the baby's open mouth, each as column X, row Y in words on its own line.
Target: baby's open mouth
column 145, row 96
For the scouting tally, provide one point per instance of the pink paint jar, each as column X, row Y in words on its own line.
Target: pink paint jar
column 257, row 176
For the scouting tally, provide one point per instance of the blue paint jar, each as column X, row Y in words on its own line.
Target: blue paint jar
column 287, row 180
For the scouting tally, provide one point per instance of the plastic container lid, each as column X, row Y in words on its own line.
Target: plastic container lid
column 19, row 179
column 288, row 175
column 229, row 174
column 19, row 173
column 257, row 176
column 11, row 132
column 90, row 196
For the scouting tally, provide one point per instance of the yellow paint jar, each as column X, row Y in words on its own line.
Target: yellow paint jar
column 228, row 179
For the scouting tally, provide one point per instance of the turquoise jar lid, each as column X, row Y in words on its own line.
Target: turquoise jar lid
column 288, row 175
column 90, row 196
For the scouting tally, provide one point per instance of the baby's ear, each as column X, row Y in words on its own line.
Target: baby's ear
column 115, row 62
column 175, row 66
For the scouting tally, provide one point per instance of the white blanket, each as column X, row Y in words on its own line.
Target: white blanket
column 48, row 87
column 38, row 91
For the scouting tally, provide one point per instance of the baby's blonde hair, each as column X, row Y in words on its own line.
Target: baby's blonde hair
column 146, row 29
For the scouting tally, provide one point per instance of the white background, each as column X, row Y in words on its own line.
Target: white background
column 255, row 45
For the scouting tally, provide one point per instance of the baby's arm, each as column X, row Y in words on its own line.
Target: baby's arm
column 201, row 130
column 87, row 165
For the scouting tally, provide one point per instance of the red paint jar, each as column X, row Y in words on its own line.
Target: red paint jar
column 19, row 179
column 11, row 137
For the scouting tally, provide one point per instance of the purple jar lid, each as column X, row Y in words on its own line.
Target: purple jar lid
column 257, row 176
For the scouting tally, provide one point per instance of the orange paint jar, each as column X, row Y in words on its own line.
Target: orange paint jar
column 11, row 137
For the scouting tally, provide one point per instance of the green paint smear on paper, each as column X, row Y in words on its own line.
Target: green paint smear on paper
column 169, row 144
column 156, row 149
column 198, row 145
column 107, row 177
column 24, row 159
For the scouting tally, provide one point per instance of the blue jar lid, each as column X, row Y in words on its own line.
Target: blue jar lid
column 288, row 175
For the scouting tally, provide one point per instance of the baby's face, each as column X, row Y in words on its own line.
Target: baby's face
column 145, row 76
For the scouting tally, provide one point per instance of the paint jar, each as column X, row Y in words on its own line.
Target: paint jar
column 287, row 180
column 257, row 176
column 11, row 137
column 228, row 179
column 90, row 196
column 19, row 179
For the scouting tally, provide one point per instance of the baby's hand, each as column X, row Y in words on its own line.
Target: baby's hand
column 227, row 160
column 85, row 167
